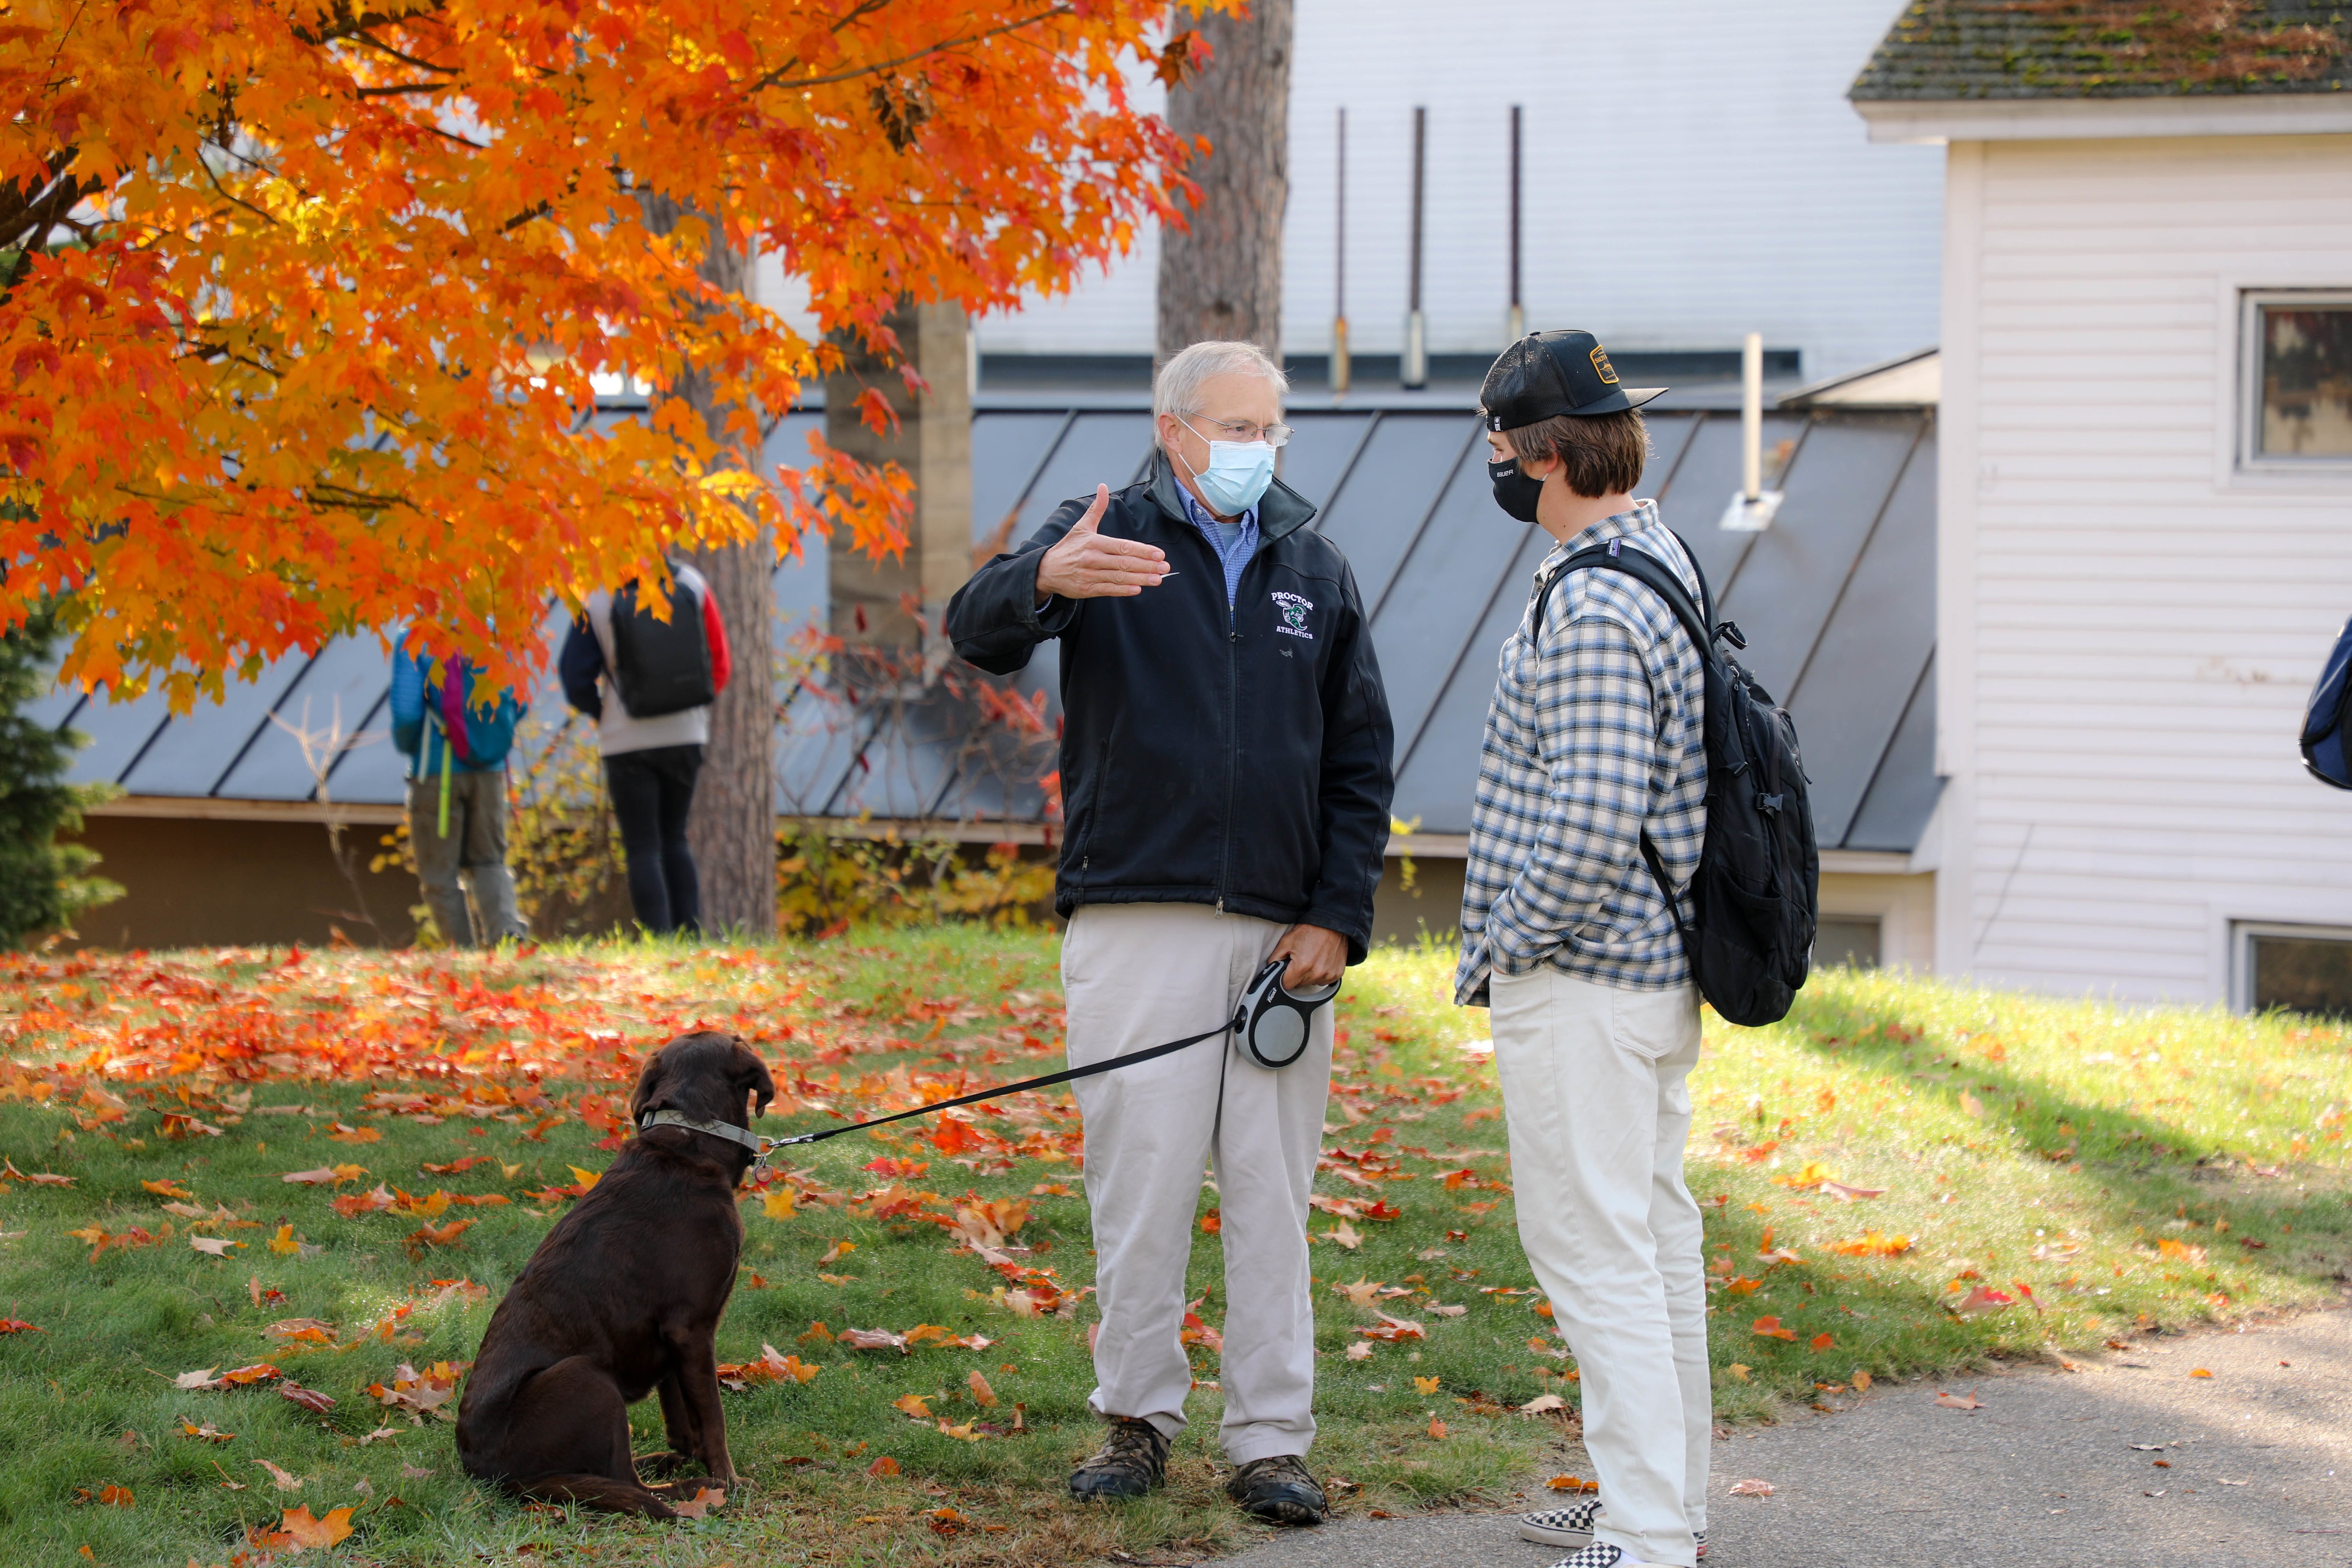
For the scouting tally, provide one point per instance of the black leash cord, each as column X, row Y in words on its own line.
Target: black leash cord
column 1065, row 1076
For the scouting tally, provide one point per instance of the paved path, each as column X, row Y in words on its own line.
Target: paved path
column 2045, row 1474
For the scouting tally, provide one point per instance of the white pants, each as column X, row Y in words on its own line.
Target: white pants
column 1135, row 976
column 1595, row 1099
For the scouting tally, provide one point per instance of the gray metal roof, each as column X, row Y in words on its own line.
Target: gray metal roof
column 1837, row 600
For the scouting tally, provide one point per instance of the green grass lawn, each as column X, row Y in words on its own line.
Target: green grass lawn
column 2047, row 1176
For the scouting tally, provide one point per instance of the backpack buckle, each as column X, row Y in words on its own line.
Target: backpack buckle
column 1771, row 803
column 1729, row 632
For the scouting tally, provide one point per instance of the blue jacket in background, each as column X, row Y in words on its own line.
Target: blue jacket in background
column 417, row 695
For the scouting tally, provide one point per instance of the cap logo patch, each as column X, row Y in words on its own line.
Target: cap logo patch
column 1600, row 362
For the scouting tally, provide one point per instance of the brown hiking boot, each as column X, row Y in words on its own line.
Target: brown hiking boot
column 1277, row 1490
column 1132, row 1460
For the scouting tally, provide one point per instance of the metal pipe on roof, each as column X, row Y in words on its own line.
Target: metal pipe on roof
column 1414, row 367
column 1340, row 368
column 1751, row 416
column 1752, row 505
column 1517, row 321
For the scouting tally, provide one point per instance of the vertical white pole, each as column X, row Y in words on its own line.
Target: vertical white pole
column 1341, row 372
column 1516, row 319
column 1413, row 367
column 1751, row 415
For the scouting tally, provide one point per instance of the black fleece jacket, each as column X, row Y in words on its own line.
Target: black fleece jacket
column 1237, row 759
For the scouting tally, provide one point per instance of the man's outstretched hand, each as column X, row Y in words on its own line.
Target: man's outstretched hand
column 1318, row 957
column 1086, row 566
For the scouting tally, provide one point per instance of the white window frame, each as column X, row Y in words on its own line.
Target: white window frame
column 2241, row 951
column 2252, row 460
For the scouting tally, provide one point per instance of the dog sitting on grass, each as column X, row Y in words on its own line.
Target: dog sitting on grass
column 624, row 1298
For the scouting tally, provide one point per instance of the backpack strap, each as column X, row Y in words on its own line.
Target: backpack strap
column 1697, row 620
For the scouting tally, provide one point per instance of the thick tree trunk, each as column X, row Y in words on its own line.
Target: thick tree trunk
column 1223, row 277
column 733, row 828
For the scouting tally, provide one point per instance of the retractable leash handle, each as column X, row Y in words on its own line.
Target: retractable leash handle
column 1272, row 1024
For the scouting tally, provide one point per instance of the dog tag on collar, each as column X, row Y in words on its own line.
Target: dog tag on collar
column 1273, row 1022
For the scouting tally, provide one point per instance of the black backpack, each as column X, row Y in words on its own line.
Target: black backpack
column 661, row 666
column 1755, row 898
column 2325, row 732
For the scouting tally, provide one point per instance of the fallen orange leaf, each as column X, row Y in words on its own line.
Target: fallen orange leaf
column 297, row 1530
column 704, row 1500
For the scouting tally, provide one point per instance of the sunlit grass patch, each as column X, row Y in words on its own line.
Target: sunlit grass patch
column 1902, row 1179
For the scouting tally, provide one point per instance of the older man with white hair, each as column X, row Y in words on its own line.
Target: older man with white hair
column 1225, row 775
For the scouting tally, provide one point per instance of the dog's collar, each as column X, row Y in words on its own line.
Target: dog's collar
column 751, row 1141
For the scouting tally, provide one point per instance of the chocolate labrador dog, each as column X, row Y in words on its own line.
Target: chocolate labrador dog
column 623, row 1297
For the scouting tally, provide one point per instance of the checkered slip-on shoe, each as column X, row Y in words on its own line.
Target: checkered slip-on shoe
column 1569, row 1526
column 1601, row 1554
column 1572, row 1526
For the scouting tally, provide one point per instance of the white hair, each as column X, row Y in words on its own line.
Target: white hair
column 1177, row 387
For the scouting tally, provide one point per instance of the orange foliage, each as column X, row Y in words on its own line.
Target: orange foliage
column 304, row 339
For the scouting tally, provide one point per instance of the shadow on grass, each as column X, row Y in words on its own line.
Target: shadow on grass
column 2142, row 1167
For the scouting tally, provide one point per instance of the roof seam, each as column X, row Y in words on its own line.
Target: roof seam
column 1862, row 801
column 1853, row 566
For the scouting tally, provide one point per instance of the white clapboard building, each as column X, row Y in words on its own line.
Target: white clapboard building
column 1689, row 174
column 2145, row 510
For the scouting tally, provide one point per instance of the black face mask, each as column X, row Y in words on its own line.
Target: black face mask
column 1514, row 492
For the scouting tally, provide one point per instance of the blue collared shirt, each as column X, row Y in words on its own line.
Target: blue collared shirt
column 1234, row 541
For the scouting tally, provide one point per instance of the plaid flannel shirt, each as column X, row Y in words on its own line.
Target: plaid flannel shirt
column 1594, row 734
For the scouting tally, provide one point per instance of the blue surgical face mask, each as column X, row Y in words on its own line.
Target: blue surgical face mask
column 1237, row 474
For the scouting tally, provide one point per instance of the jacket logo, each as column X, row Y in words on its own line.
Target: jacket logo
column 1293, row 616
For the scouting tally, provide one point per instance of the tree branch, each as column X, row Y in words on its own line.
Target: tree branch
column 25, row 225
column 776, row 77
column 378, row 45
column 345, row 23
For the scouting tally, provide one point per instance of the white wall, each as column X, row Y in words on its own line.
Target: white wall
column 2129, row 627
column 1693, row 173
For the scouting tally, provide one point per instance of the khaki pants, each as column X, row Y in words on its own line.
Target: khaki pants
column 1136, row 975
column 476, row 846
column 1596, row 1100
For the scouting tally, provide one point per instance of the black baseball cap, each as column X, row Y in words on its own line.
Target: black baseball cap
column 1545, row 375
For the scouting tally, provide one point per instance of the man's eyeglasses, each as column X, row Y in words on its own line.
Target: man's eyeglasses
column 1220, row 430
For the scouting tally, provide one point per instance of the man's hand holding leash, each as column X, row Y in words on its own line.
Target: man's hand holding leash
column 1318, row 957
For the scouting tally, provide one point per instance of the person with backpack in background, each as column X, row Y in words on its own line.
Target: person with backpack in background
column 649, row 683
column 457, row 747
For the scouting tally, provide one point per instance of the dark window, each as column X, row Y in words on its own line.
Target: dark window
column 1848, row 940
column 2304, row 370
column 2300, row 973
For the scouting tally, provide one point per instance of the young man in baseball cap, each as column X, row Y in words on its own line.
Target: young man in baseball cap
column 1593, row 754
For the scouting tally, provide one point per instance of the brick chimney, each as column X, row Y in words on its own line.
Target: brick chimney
column 933, row 443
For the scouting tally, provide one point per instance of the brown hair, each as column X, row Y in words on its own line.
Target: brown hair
column 1603, row 453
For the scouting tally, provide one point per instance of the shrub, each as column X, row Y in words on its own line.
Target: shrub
column 43, row 884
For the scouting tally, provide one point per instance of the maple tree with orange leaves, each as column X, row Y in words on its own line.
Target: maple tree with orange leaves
column 300, row 302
